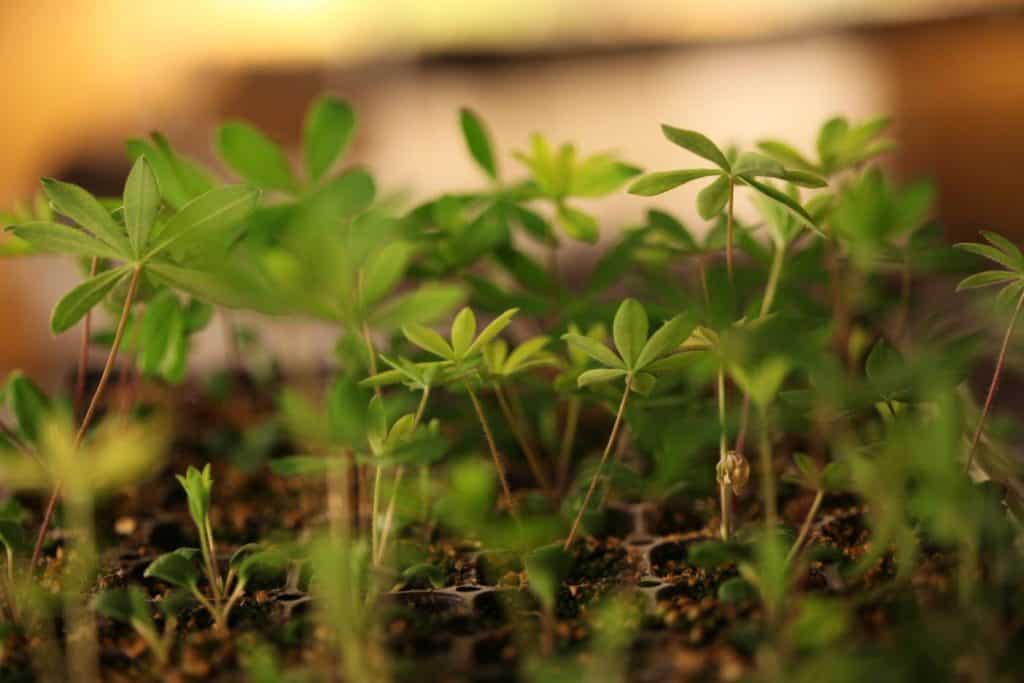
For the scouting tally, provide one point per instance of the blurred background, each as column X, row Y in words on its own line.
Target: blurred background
column 82, row 75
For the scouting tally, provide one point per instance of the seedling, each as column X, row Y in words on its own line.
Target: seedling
column 638, row 360
column 1011, row 279
column 131, row 606
column 749, row 169
column 460, row 358
column 178, row 569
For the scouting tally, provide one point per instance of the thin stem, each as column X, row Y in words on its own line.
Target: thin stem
column 806, row 527
column 218, row 587
column 371, row 353
column 572, row 419
column 51, row 504
column 724, row 492
column 994, row 384
column 767, row 473
column 498, row 465
column 729, row 230
column 524, row 443
column 770, row 289
column 83, row 351
column 600, row 465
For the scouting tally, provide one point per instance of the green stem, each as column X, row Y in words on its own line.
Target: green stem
column 521, row 438
column 572, row 419
column 767, row 473
column 806, row 527
column 994, row 384
column 600, row 465
column 51, row 504
column 724, row 493
column 385, row 531
column 778, row 259
column 498, row 465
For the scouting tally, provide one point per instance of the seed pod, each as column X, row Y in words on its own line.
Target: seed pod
column 733, row 471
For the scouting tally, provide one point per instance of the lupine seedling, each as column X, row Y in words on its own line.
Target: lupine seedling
column 638, row 360
column 1005, row 253
column 460, row 358
column 749, row 169
column 178, row 568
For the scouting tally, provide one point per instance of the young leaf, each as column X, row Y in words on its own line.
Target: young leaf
column 713, row 198
column 492, row 330
column 785, row 200
column 59, row 238
column 28, row 404
column 478, row 142
column 787, row 155
column 326, row 134
column 595, row 349
column 125, row 605
column 176, row 568
column 642, row 383
column 198, row 487
column 629, row 329
column 986, row 278
column 384, row 271
column 655, row 183
column 84, row 209
column 430, row 302
column 80, row 300
column 578, row 224
column 666, row 340
column 141, row 204
column 254, row 157
column 599, row 376
column 463, row 331
column 698, row 144
column 428, row 340
column 599, row 175
column 211, row 213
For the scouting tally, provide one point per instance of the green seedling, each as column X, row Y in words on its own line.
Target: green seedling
column 749, row 169
column 811, row 476
column 460, row 358
column 178, row 568
column 638, row 360
column 1010, row 278
column 840, row 146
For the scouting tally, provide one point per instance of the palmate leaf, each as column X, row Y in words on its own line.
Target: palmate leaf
column 180, row 179
column 326, row 134
column 80, row 300
column 599, row 376
column 478, row 142
column 428, row 340
column 599, row 175
column 656, row 183
column 493, row 329
column 205, row 285
column 60, row 238
column 665, row 340
column 254, row 157
column 205, row 218
column 462, row 332
column 595, row 349
column 713, row 198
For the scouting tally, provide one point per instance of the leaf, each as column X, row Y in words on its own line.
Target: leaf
column 697, row 143
column 666, row 340
column 80, row 300
column 655, row 183
column 713, row 198
column 522, row 353
column 478, row 142
column 198, row 487
column 176, row 568
column 785, row 200
column 210, row 214
column 462, row 332
column 428, row 340
column 125, row 605
column 595, row 349
column 986, row 278
column 600, row 175
column 343, row 197
column 579, row 225
column 254, row 157
column 493, row 329
column 326, row 134
column 736, row 590
column 63, row 239
column 598, row 376
column 787, row 155
column 384, row 271
column 209, row 287
column 990, row 253
column 426, row 304
column 141, row 204
column 1006, row 246
column 629, row 330
column 84, row 209
column 347, row 412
